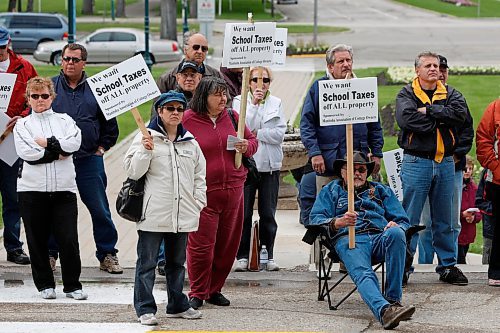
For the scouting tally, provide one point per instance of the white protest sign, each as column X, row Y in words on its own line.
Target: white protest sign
column 123, row 86
column 206, row 10
column 248, row 44
column 280, row 43
column 7, row 81
column 8, row 152
column 393, row 160
column 348, row 101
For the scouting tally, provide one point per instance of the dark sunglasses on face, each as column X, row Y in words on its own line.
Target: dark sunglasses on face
column 265, row 80
column 3, row 47
column 196, row 47
column 359, row 169
column 74, row 59
column 173, row 108
column 37, row 96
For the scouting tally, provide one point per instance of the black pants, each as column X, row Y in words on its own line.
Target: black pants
column 268, row 187
column 493, row 194
column 462, row 254
column 44, row 213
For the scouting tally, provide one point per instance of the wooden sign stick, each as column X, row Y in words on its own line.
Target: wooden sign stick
column 139, row 121
column 243, row 108
column 350, row 179
column 5, row 134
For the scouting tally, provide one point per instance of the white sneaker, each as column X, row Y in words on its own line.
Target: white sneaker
column 148, row 319
column 188, row 314
column 241, row 265
column 79, row 295
column 48, row 293
column 272, row 266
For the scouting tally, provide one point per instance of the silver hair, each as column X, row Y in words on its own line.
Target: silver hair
column 330, row 54
column 418, row 59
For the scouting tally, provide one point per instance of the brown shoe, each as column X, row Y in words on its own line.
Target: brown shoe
column 110, row 264
column 395, row 313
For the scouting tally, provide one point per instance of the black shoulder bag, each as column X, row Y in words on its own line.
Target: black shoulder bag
column 130, row 199
column 253, row 175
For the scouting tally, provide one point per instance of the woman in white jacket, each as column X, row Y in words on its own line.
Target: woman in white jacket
column 265, row 118
column 175, row 193
column 46, row 187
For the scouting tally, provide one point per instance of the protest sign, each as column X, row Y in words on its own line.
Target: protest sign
column 7, row 81
column 348, row 101
column 7, row 148
column 393, row 160
column 123, row 86
column 280, row 43
column 248, row 44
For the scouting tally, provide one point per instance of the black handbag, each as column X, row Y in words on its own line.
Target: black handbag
column 253, row 175
column 130, row 199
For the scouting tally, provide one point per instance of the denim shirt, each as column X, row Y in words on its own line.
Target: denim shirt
column 376, row 206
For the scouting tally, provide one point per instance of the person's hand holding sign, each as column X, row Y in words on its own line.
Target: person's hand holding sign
column 147, row 142
column 12, row 123
column 242, row 146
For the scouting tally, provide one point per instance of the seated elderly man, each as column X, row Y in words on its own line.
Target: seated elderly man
column 380, row 223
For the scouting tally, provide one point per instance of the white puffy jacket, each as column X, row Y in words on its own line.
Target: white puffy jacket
column 269, row 121
column 175, row 188
column 55, row 176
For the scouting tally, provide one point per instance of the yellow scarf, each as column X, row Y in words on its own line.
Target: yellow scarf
column 438, row 95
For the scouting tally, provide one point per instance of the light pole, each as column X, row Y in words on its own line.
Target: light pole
column 315, row 32
column 146, row 56
column 71, row 21
column 185, row 26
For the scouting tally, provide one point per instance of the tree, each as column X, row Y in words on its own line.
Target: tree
column 12, row 5
column 88, row 7
column 168, row 26
column 29, row 6
column 120, row 8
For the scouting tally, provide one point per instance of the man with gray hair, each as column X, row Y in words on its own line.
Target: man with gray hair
column 430, row 115
column 195, row 50
column 326, row 144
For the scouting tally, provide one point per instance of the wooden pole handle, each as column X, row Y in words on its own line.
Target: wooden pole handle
column 139, row 121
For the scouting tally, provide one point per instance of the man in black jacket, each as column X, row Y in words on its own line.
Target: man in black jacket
column 429, row 115
column 465, row 138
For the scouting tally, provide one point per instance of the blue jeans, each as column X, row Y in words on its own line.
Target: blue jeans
column 91, row 181
column 423, row 178
column 307, row 196
column 10, row 206
column 425, row 247
column 147, row 254
column 161, row 253
column 388, row 246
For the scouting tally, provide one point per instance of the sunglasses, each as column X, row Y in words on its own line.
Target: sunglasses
column 173, row 108
column 37, row 96
column 3, row 47
column 196, row 47
column 74, row 59
column 359, row 169
column 265, row 79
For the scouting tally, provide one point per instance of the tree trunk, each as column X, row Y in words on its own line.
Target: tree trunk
column 168, row 26
column 193, row 8
column 12, row 6
column 29, row 6
column 88, row 7
column 120, row 8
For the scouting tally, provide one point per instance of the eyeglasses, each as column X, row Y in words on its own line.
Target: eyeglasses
column 196, row 47
column 188, row 75
column 265, row 79
column 173, row 108
column 37, row 96
column 74, row 59
column 358, row 169
column 3, row 47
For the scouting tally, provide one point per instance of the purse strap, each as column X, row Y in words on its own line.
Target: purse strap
column 231, row 115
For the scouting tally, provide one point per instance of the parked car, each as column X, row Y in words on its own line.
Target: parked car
column 287, row 1
column 27, row 30
column 113, row 45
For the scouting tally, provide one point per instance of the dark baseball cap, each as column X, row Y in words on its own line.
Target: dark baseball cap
column 443, row 62
column 4, row 36
column 186, row 65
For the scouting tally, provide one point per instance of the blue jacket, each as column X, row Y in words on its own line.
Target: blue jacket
column 81, row 105
column 330, row 141
column 376, row 206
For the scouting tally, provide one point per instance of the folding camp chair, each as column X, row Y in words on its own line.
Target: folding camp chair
column 325, row 270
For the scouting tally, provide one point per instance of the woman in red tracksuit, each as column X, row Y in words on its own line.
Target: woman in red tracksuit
column 211, row 250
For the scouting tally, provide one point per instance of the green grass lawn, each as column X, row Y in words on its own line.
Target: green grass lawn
column 60, row 6
column 487, row 8
column 308, row 29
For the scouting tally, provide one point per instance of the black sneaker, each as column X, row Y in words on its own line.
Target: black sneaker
column 18, row 257
column 219, row 300
column 453, row 275
column 395, row 313
column 195, row 302
column 161, row 268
